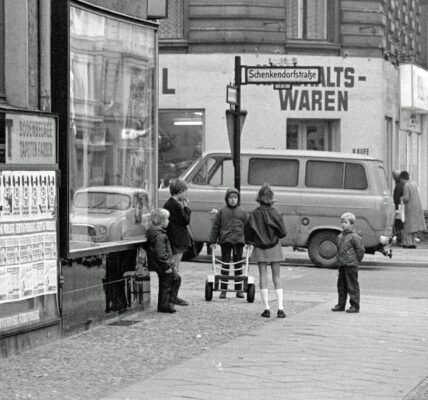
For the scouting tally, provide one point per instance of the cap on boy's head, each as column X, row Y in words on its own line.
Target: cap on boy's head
column 177, row 186
column 265, row 195
column 158, row 216
column 404, row 175
column 349, row 217
column 229, row 192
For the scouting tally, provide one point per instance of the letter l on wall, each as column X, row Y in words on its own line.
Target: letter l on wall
column 165, row 88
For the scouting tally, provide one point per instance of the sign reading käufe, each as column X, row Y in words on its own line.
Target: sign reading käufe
column 269, row 75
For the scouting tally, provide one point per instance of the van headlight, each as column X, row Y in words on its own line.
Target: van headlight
column 102, row 230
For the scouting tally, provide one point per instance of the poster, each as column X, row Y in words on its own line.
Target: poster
column 50, row 276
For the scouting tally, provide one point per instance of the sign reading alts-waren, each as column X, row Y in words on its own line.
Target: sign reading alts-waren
column 269, row 75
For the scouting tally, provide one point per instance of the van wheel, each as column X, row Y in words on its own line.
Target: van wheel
column 323, row 249
column 192, row 252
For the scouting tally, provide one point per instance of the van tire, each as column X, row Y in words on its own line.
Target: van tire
column 323, row 249
column 193, row 252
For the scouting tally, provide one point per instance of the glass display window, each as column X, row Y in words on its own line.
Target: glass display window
column 112, row 130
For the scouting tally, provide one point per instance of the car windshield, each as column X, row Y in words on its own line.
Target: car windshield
column 102, row 200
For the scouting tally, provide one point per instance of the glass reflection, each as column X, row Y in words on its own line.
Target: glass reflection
column 112, row 133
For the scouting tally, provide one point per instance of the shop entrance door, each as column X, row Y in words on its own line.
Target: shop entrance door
column 309, row 135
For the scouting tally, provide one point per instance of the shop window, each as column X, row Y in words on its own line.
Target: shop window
column 112, row 125
column 180, row 141
column 311, row 135
column 280, row 172
column 173, row 27
column 311, row 19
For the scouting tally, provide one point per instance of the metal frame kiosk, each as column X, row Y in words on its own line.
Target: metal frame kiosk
column 29, row 298
column 104, row 88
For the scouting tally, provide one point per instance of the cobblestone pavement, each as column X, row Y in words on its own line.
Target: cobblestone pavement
column 107, row 358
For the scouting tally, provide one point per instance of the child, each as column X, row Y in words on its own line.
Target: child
column 264, row 229
column 160, row 260
column 350, row 252
column 228, row 230
column 179, row 219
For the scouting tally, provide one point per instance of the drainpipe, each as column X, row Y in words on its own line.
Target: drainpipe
column 45, row 55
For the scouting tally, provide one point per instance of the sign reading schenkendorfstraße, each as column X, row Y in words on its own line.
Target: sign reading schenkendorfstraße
column 269, row 75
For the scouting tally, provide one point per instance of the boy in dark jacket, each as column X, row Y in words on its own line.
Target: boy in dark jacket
column 350, row 252
column 160, row 260
column 179, row 219
column 228, row 230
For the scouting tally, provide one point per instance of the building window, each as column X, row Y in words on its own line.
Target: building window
column 180, row 141
column 173, row 26
column 310, row 19
column 312, row 135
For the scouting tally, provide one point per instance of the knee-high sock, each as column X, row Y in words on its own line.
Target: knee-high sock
column 265, row 298
column 279, row 296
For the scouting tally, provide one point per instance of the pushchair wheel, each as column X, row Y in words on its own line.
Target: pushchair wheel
column 208, row 291
column 251, row 293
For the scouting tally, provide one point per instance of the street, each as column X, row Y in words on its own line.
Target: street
column 150, row 354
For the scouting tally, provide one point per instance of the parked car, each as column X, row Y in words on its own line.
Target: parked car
column 102, row 214
column 313, row 189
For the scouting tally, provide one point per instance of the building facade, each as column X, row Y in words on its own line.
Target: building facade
column 360, row 47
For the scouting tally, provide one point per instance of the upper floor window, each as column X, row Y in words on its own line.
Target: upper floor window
column 173, row 26
column 308, row 19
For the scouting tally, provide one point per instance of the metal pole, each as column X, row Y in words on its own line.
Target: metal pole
column 237, row 130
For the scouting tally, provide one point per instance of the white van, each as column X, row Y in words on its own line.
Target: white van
column 312, row 189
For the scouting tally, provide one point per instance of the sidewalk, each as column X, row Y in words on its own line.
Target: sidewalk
column 380, row 353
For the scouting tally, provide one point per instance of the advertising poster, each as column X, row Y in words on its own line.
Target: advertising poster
column 38, row 278
column 50, row 276
column 4, row 287
column 12, row 250
column 37, row 247
column 6, row 183
column 50, row 246
column 3, row 262
column 42, row 198
column 51, row 193
column 25, row 249
column 12, row 278
column 34, row 197
column 26, row 280
column 16, row 195
column 25, row 196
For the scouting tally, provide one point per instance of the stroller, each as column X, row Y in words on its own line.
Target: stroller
column 214, row 280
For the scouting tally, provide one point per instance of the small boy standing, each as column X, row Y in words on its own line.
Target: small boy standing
column 228, row 230
column 350, row 252
column 160, row 260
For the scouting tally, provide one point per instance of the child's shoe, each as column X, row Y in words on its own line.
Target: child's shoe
column 266, row 313
column 280, row 314
column 338, row 308
column 222, row 295
column 240, row 295
column 352, row 310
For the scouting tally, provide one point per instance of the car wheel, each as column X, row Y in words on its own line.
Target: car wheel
column 208, row 291
column 323, row 249
column 193, row 252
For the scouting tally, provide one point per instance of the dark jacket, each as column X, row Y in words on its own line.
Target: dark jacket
column 264, row 227
column 228, row 226
column 398, row 193
column 179, row 218
column 350, row 248
column 159, row 254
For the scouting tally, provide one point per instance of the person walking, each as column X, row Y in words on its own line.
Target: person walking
column 264, row 229
column 228, row 230
column 414, row 219
column 179, row 219
column 350, row 252
column 397, row 194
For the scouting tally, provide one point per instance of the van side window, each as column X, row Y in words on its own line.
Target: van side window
column 277, row 172
column 324, row 174
column 216, row 172
column 335, row 175
column 355, row 176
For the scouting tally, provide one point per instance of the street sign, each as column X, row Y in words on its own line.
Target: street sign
column 268, row 75
column 231, row 94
